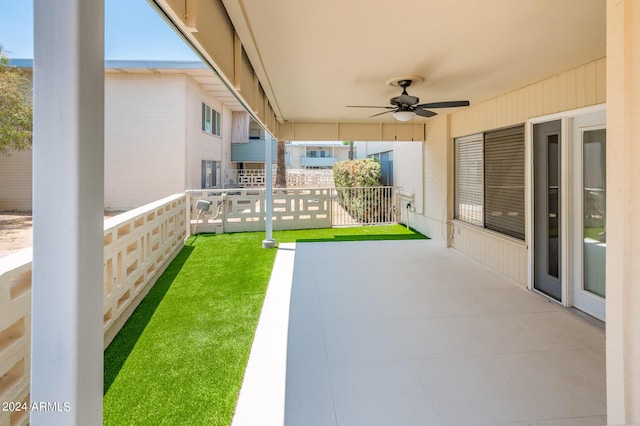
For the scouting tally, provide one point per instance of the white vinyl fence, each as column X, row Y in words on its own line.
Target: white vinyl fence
column 366, row 206
column 240, row 210
column 256, row 178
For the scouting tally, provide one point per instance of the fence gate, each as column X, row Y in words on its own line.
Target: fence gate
column 365, row 206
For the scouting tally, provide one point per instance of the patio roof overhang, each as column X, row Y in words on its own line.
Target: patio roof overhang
column 297, row 67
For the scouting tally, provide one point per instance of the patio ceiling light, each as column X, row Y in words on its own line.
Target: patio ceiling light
column 404, row 115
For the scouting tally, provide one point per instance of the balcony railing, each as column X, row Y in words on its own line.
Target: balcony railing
column 242, row 210
column 309, row 178
column 256, row 178
column 138, row 246
column 317, row 161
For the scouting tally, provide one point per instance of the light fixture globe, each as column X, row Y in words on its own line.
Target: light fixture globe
column 404, row 115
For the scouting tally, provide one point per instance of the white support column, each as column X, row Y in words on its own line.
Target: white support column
column 268, row 241
column 68, row 198
column 623, row 204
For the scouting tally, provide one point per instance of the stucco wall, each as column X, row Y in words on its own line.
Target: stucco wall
column 200, row 145
column 15, row 181
column 408, row 162
column 435, row 160
column 144, row 139
column 154, row 144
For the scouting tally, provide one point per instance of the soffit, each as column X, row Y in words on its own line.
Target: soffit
column 205, row 77
column 314, row 58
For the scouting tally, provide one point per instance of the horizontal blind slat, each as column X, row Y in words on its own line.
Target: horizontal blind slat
column 504, row 181
column 468, row 183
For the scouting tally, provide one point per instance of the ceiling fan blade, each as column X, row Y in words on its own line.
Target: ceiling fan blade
column 380, row 113
column 369, row 106
column 405, row 99
column 425, row 113
column 449, row 104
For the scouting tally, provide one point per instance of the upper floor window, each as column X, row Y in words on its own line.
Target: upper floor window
column 210, row 120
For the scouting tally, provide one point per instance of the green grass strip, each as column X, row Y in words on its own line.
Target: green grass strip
column 181, row 356
column 365, row 233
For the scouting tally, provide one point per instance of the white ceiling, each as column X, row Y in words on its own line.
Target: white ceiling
column 315, row 57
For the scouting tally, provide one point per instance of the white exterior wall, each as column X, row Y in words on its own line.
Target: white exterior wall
column 200, row 145
column 408, row 173
column 154, row 142
column 295, row 152
column 435, row 156
column 144, row 138
column 364, row 149
column 15, row 181
column 576, row 88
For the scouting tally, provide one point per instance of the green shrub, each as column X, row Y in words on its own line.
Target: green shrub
column 350, row 177
column 357, row 173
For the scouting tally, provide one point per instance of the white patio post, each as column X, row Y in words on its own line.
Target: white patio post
column 623, row 204
column 268, row 241
column 68, row 199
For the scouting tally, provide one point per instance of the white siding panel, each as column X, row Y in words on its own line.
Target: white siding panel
column 504, row 256
column 578, row 87
column 144, row 139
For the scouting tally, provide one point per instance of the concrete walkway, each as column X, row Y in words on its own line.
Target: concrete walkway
column 409, row 333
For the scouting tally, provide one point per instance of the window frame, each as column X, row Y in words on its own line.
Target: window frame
column 211, row 120
column 215, row 168
column 511, row 222
column 473, row 213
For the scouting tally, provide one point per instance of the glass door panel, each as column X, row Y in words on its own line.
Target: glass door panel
column 547, row 259
column 588, row 232
column 594, row 211
column 553, row 214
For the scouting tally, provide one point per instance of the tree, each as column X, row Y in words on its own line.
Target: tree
column 16, row 112
column 281, row 172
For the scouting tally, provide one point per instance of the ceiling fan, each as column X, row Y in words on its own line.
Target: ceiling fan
column 405, row 106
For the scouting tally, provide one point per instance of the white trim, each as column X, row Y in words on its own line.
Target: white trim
column 566, row 114
column 577, row 265
column 566, row 207
column 528, row 202
column 566, row 200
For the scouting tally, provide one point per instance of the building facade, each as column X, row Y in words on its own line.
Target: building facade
column 165, row 131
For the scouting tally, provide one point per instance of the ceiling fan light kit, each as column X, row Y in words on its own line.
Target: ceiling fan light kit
column 404, row 115
column 405, row 107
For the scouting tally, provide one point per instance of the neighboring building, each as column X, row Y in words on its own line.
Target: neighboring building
column 167, row 128
column 315, row 155
column 248, row 154
column 384, row 153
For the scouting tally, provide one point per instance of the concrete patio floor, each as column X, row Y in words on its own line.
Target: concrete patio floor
column 410, row 333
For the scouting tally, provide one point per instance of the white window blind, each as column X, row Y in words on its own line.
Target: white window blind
column 504, row 181
column 469, row 181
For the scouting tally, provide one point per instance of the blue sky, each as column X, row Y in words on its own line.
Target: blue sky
column 133, row 30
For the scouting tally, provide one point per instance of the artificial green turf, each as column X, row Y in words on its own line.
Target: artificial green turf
column 181, row 356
